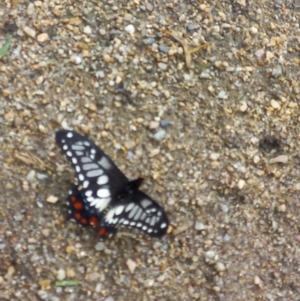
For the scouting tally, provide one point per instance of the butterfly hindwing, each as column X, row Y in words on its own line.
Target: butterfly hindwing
column 84, row 214
column 139, row 211
column 99, row 177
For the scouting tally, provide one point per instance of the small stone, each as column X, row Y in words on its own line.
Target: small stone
column 87, row 30
column 30, row 176
column 130, row 29
column 6, row 92
column 29, row 31
column 159, row 135
column 282, row 208
column 256, row 159
column 153, row 125
column 109, row 298
column 257, row 280
column 154, row 152
column 149, row 41
column 220, row 267
column 149, row 282
column 199, row 226
column 129, row 144
column 222, row 95
column 98, row 287
column 241, row 184
column 163, row 48
column 100, row 246
column 70, row 273
column 93, row 276
column 253, row 30
column 275, row 104
column 2, row 246
column 44, row 283
column 43, row 37
column 10, row 271
column 9, row 186
column 45, row 232
column 280, row 159
column 162, row 66
column 164, row 123
column 214, row 156
column 210, row 255
column 277, row 71
column 243, row 106
column 61, row 274
column 149, row 7
column 131, row 265
column 76, row 59
column 52, row 199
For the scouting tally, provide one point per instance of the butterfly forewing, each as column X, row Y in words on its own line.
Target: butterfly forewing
column 139, row 211
column 99, row 177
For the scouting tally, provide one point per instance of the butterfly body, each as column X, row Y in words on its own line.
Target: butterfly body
column 106, row 196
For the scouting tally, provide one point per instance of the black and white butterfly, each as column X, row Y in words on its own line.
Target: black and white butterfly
column 105, row 191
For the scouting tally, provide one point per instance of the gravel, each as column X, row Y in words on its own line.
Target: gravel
column 224, row 75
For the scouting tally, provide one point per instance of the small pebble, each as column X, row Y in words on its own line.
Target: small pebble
column 43, row 37
column 149, row 7
column 162, row 66
column 30, row 176
column 214, row 156
column 61, row 274
column 149, row 41
column 163, row 48
column 154, row 152
column 29, row 31
column 220, row 267
column 243, row 106
column 280, row 159
column 275, row 104
column 52, row 199
column 130, row 29
column 76, row 59
column 153, row 125
column 131, row 265
column 241, row 183
column 100, row 246
column 164, row 123
column 87, row 30
column 149, row 282
column 199, row 226
column 109, row 298
column 159, row 135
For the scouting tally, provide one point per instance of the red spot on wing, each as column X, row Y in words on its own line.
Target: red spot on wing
column 94, row 221
column 73, row 198
column 78, row 205
column 77, row 215
column 103, row 232
column 84, row 221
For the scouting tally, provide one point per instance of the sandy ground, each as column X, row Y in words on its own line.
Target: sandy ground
column 200, row 97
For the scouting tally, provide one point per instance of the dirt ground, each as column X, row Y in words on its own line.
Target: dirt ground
column 199, row 97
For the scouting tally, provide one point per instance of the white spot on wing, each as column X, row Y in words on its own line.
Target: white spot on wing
column 74, row 160
column 94, row 173
column 69, row 154
column 81, row 177
column 133, row 212
column 118, row 210
column 139, row 224
column 163, row 225
column 70, row 135
column 77, row 147
column 145, row 203
column 102, row 180
column 132, row 224
column 153, row 221
column 126, row 222
column 77, row 168
column 104, row 163
column 86, row 143
column 89, row 166
column 85, row 184
column 100, row 204
column 103, row 193
column 144, row 228
column 79, row 153
column 129, row 207
column 65, row 147
column 149, row 230
column 88, row 193
column 138, row 214
column 85, row 160
column 93, row 151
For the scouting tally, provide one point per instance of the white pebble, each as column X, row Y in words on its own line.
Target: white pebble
column 214, row 156
column 61, row 274
column 130, row 29
column 76, row 59
column 87, row 30
column 131, row 265
column 30, row 176
column 220, row 267
column 199, row 226
column 241, row 184
column 29, row 31
column 52, row 199
column 275, row 104
column 243, row 106
column 280, row 159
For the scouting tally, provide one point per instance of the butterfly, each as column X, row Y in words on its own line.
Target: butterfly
column 104, row 197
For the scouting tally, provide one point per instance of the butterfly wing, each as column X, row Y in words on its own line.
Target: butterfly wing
column 99, row 177
column 84, row 214
column 139, row 211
